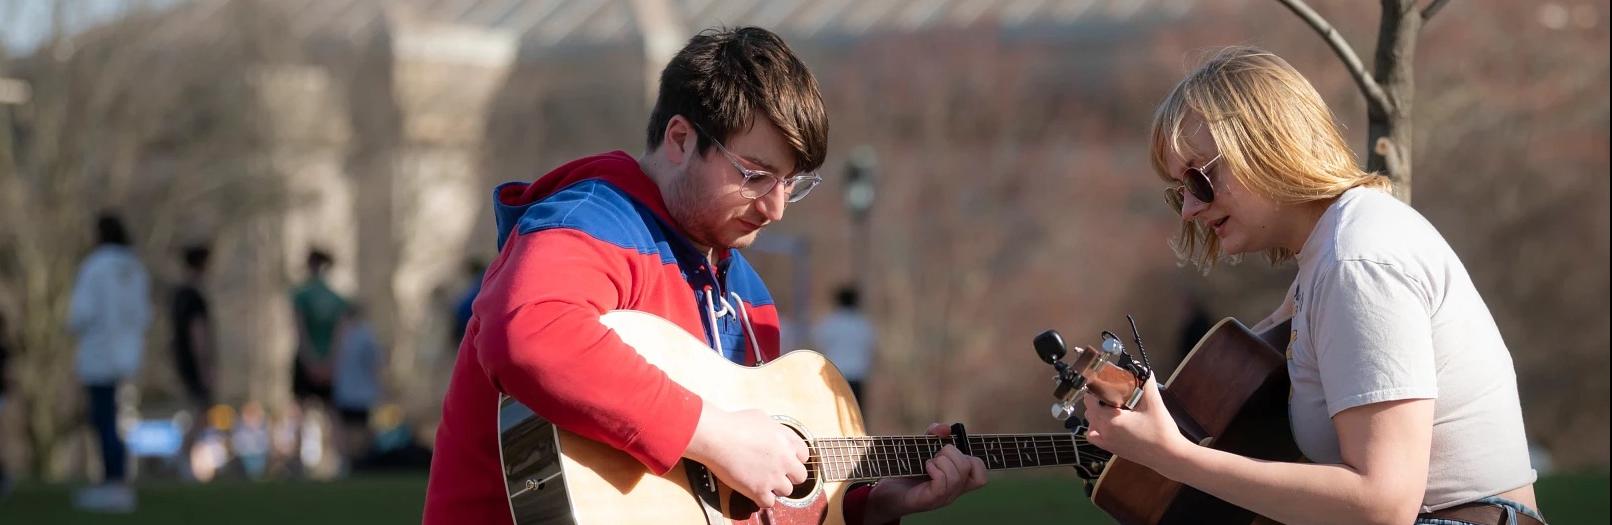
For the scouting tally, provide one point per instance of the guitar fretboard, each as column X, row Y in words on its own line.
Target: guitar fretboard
column 862, row 458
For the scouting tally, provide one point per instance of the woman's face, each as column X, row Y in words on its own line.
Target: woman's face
column 1243, row 220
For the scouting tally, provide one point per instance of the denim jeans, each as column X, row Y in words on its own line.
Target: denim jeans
column 104, row 417
column 1512, row 510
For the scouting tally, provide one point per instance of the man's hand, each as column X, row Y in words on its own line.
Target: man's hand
column 951, row 473
column 750, row 452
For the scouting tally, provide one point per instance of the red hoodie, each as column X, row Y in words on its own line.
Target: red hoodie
column 589, row 237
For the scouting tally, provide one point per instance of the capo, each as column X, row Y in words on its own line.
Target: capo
column 960, row 439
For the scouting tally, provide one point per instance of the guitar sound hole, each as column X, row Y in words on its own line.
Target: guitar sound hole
column 804, row 489
column 803, row 494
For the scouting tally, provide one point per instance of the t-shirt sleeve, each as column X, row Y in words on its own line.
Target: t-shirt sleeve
column 1373, row 336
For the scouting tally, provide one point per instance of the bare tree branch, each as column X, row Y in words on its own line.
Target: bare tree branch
column 1368, row 85
column 1432, row 9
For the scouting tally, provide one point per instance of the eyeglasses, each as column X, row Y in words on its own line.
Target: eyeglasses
column 758, row 183
column 1195, row 180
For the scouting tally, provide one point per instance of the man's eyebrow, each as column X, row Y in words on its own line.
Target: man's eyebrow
column 764, row 164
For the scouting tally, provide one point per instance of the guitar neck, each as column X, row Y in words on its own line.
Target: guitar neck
column 874, row 457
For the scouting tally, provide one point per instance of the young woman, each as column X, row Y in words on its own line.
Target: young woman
column 1404, row 399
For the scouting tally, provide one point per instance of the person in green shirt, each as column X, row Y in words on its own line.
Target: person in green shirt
column 318, row 312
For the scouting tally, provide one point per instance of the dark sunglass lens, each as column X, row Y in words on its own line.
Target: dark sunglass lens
column 1198, row 184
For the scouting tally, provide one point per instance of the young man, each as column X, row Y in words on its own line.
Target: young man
column 734, row 136
column 193, row 343
column 355, row 387
column 109, row 312
column 847, row 338
column 318, row 312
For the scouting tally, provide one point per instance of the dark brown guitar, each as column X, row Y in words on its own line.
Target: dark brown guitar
column 1229, row 393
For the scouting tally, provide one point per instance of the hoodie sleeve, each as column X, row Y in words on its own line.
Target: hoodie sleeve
column 83, row 307
column 539, row 340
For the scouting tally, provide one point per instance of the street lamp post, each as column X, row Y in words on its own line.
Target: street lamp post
column 859, row 192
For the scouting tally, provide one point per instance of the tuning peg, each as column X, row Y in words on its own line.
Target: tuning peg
column 1111, row 345
column 1062, row 410
column 1049, row 345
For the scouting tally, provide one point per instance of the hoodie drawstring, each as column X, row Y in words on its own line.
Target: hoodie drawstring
column 714, row 336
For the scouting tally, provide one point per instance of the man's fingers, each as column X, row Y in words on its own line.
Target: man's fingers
column 802, row 452
column 797, row 474
column 946, row 462
column 939, row 430
column 977, row 474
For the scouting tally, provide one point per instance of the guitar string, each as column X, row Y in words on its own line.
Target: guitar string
column 898, row 453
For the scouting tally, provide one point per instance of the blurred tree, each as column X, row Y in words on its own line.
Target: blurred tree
column 145, row 116
column 1389, row 88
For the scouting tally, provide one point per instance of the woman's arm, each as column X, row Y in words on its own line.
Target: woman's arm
column 1384, row 446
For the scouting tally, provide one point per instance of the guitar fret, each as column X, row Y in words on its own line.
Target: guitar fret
column 868, row 457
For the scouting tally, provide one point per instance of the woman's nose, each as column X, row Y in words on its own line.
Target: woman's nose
column 1191, row 207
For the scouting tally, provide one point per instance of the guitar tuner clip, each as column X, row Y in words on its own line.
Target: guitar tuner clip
column 1049, row 345
column 1074, row 379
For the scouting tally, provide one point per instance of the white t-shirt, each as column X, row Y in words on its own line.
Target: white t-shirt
column 847, row 338
column 1384, row 311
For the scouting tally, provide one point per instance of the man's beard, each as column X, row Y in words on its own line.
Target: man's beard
column 683, row 204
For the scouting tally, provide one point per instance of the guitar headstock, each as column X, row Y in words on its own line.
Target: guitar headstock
column 1106, row 371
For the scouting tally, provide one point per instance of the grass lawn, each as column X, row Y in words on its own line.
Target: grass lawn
column 1011, row 497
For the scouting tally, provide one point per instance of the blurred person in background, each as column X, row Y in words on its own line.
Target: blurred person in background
column 250, row 440
column 108, row 313
column 5, row 381
column 284, row 428
column 734, row 136
column 1403, row 398
column 848, row 339
column 193, row 346
column 358, row 362
column 318, row 311
column 474, row 268
column 1196, row 324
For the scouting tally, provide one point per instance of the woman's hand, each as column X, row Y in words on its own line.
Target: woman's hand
column 1146, row 434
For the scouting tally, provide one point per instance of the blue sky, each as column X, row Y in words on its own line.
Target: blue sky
column 26, row 23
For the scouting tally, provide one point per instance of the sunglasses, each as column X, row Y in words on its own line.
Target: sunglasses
column 1195, row 180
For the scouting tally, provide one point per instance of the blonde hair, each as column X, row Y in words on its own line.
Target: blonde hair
column 1274, row 132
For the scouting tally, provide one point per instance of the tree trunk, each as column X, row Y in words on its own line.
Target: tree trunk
column 1390, row 87
column 1389, row 140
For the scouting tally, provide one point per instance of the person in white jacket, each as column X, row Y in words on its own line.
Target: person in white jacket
column 109, row 314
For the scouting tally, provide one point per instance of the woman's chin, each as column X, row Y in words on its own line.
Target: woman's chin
column 1233, row 246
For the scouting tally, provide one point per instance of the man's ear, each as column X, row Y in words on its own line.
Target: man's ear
column 679, row 141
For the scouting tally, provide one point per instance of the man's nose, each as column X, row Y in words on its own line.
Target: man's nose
column 773, row 203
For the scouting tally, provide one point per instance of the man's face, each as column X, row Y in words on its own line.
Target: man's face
column 705, row 197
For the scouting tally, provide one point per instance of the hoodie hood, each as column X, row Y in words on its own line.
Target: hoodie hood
column 617, row 168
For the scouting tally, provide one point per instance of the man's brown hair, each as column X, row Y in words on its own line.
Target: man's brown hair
column 725, row 77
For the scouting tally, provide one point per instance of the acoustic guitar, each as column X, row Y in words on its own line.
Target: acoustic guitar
column 556, row 477
column 1229, row 393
